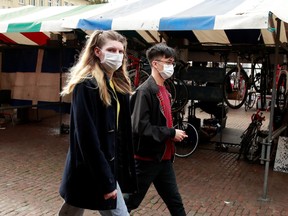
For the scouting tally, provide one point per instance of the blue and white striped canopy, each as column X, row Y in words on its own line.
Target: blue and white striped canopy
column 208, row 21
column 171, row 15
column 202, row 21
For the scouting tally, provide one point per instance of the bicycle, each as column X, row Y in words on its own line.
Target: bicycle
column 251, row 99
column 136, row 71
column 177, row 87
column 266, row 79
column 282, row 88
column 249, row 145
column 189, row 144
column 235, row 86
column 254, row 84
column 237, row 82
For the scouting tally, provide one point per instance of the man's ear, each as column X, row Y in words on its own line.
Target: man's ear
column 153, row 63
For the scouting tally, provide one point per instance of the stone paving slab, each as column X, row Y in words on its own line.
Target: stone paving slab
column 211, row 182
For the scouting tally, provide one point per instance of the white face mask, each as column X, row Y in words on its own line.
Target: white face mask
column 167, row 72
column 112, row 61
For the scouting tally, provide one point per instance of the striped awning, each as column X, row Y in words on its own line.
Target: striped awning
column 33, row 25
column 198, row 21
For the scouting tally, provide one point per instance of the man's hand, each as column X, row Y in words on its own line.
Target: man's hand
column 179, row 135
column 112, row 195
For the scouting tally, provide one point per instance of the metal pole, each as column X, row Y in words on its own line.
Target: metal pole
column 267, row 161
column 60, row 87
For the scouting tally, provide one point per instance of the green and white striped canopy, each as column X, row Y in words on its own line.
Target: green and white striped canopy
column 33, row 25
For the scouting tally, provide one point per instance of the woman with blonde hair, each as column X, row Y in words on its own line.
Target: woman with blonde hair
column 100, row 156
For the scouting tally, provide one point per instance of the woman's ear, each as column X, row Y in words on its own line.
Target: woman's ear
column 97, row 51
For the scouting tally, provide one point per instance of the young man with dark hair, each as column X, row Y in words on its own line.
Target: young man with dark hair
column 153, row 133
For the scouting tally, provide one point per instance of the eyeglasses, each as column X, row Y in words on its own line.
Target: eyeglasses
column 166, row 62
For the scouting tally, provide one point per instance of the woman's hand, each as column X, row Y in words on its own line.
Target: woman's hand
column 112, row 195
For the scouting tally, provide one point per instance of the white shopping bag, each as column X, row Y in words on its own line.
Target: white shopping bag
column 281, row 159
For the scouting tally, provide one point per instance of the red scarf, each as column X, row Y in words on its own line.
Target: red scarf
column 165, row 104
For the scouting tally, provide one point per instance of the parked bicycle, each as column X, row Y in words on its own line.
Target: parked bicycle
column 250, row 146
column 282, row 87
column 138, row 70
column 188, row 145
column 266, row 81
column 251, row 99
column 237, row 84
column 177, row 87
column 254, row 84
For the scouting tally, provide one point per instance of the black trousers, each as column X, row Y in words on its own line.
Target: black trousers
column 162, row 175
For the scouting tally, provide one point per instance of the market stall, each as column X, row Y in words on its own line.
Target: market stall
column 201, row 30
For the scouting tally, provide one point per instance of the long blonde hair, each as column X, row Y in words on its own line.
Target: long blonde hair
column 88, row 66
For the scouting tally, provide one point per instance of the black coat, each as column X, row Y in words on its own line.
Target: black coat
column 99, row 154
column 149, row 126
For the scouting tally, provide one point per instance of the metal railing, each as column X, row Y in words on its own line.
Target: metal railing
column 265, row 156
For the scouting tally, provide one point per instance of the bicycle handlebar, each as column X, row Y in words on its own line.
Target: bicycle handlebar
column 258, row 117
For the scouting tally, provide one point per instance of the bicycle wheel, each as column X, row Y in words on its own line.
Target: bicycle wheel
column 252, row 151
column 236, row 94
column 263, row 90
column 179, row 93
column 135, row 83
column 281, row 97
column 250, row 101
column 171, row 89
column 256, row 71
column 188, row 145
column 246, row 104
column 246, row 138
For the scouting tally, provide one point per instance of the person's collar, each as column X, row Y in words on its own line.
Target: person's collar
column 152, row 85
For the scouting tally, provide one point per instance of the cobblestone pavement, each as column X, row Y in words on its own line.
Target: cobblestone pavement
column 211, row 182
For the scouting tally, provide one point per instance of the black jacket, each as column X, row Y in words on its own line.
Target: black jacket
column 148, row 122
column 98, row 154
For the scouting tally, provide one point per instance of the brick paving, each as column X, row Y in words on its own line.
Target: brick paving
column 211, row 182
